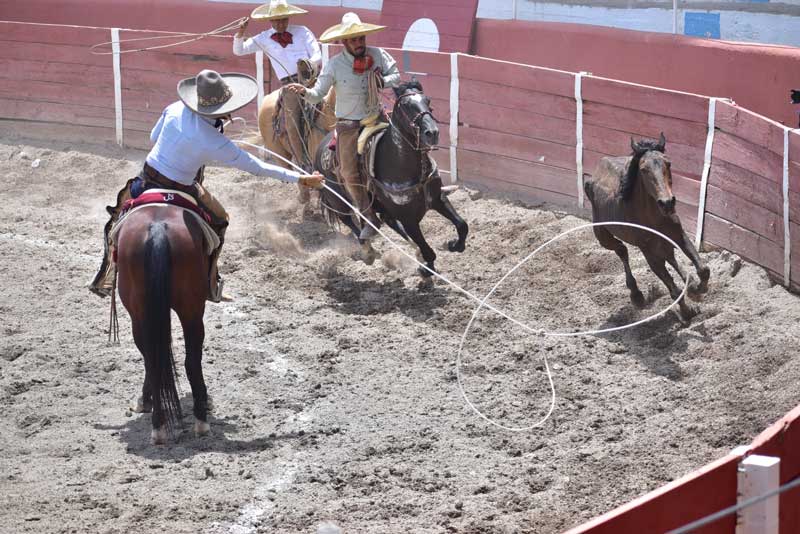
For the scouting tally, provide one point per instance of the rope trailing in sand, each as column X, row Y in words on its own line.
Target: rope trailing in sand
column 482, row 302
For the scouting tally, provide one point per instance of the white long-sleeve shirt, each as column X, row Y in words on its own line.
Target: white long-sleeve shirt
column 283, row 60
column 185, row 141
column 351, row 88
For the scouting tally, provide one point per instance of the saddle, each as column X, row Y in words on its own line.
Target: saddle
column 372, row 130
column 168, row 197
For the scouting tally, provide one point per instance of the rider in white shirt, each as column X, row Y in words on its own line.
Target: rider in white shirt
column 187, row 136
column 287, row 46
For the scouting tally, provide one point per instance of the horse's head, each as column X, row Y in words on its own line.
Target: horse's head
column 654, row 172
column 413, row 116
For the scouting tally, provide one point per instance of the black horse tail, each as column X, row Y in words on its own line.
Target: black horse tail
column 159, row 361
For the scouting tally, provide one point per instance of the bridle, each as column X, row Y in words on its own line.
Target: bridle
column 413, row 122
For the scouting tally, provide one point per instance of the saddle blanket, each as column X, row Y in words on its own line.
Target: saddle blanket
column 168, row 197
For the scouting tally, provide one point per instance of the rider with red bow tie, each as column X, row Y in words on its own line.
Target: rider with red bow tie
column 358, row 74
column 287, row 47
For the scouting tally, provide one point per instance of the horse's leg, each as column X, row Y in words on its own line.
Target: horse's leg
column 610, row 242
column 443, row 206
column 144, row 404
column 700, row 266
column 194, row 334
column 428, row 255
column 657, row 265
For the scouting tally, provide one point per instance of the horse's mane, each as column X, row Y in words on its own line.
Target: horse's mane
column 639, row 149
column 405, row 87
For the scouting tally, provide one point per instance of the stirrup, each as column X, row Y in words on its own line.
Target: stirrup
column 100, row 291
column 215, row 290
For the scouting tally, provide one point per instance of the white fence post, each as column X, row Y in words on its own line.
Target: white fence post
column 454, row 95
column 758, row 475
column 701, row 204
column 117, row 85
column 260, row 77
column 579, row 135
column 787, row 241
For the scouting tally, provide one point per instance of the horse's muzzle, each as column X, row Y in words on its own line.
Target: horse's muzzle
column 667, row 206
column 430, row 138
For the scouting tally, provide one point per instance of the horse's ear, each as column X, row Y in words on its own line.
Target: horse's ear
column 398, row 91
column 662, row 142
column 633, row 145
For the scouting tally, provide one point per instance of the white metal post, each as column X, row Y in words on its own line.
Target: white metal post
column 454, row 95
column 701, row 204
column 758, row 475
column 260, row 77
column 579, row 135
column 117, row 85
column 675, row 16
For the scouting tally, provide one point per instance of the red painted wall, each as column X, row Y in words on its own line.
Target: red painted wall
column 757, row 77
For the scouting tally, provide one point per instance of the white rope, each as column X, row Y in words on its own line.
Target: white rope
column 482, row 302
column 172, row 35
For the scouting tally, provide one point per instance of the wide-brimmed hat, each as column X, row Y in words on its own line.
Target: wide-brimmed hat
column 212, row 94
column 276, row 9
column 350, row 27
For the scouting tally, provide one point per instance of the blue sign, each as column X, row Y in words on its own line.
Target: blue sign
column 701, row 24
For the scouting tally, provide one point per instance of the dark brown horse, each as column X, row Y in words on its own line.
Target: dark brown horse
column 638, row 189
column 406, row 183
column 162, row 265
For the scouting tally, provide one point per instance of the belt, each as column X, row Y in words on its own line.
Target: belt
column 289, row 79
column 152, row 175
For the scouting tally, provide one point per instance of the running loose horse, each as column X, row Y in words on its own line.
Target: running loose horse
column 162, row 265
column 638, row 189
column 406, row 183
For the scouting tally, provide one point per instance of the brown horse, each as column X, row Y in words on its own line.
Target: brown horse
column 320, row 124
column 638, row 189
column 162, row 265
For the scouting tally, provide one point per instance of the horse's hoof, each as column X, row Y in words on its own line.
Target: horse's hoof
column 686, row 314
column 425, row 284
column 455, row 245
column 158, row 436
column 201, row 428
column 140, row 406
column 425, row 273
column 637, row 299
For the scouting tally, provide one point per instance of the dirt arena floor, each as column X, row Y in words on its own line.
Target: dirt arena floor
column 334, row 382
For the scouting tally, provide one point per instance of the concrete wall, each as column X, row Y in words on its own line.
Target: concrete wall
column 747, row 21
column 757, row 77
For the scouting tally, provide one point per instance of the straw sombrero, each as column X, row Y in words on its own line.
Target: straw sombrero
column 276, row 9
column 212, row 94
column 350, row 27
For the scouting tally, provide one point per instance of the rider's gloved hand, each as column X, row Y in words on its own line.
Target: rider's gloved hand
column 314, row 181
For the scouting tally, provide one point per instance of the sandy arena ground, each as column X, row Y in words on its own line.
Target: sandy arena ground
column 334, row 382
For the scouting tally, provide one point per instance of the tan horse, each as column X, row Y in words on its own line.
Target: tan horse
column 324, row 122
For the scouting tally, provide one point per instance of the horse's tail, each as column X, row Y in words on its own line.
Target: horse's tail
column 159, row 361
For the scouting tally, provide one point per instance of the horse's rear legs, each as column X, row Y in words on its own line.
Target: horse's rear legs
column 194, row 334
column 612, row 243
column 443, row 206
